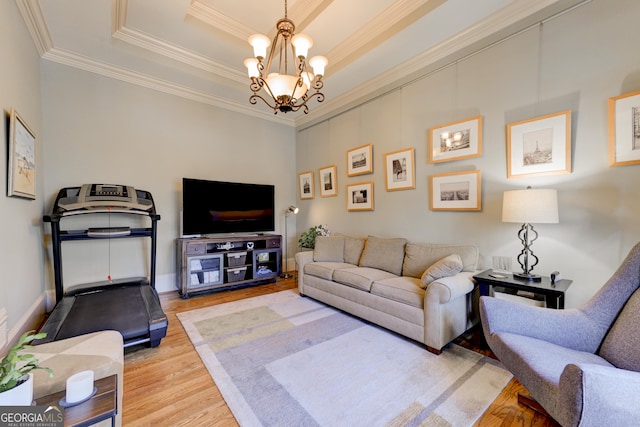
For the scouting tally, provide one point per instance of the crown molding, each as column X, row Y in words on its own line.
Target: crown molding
column 34, row 20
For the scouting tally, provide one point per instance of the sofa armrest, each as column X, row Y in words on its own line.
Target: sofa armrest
column 302, row 258
column 595, row 395
column 447, row 289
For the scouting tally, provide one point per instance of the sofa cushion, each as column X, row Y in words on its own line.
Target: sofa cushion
column 360, row 277
column 329, row 248
column 445, row 267
column 384, row 254
column 352, row 248
column 324, row 270
column 402, row 289
column 620, row 346
column 420, row 256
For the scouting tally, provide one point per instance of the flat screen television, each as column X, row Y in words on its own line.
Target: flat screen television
column 218, row 207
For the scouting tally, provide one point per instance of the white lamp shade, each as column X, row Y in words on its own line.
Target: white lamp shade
column 302, row 43
column 530, row 206
column 260, row 43
column 252, row 67
column 318, row 63
column 284, row 84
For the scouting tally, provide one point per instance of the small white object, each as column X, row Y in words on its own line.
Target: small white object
column 79, row 386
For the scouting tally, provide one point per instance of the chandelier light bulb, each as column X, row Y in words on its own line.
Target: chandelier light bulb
column 260, row 43
column 318, row 63
column 252, row 67
column 302, row 43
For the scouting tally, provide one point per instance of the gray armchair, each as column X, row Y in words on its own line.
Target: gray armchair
column 582, row 365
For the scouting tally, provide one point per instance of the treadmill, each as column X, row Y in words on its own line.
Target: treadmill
column 130, row 306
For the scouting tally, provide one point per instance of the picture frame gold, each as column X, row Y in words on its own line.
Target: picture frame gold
column 328, row 181
column 360, row 196
column 624, row 129
column 539, row 146
column 21, row 171
column 457, row 140
column 305, row 183
column 360, row 160
column 456, row 191
column 400, row 170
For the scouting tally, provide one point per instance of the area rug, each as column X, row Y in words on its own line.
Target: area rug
column 286, row 360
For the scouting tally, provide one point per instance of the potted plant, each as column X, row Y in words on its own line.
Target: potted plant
column 16, row 379
column 308, row 238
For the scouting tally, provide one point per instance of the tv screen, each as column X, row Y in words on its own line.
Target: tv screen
column 213, row 207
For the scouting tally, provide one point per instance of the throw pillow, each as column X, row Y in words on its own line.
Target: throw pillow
column 329, row 248
column 620, row 346
column 353, row 247
column 384, row 254
column 447, row 266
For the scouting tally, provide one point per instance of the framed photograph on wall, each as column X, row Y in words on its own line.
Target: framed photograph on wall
column 539, row 146
column 360, row 196
column 21, row 173
column 328, row 181
column 457, row 140
column 456, row 191
column 400, row 172
column 624, row 129
column 305, row 180
column 359, row 160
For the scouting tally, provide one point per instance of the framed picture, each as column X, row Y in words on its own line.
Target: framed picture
column 360, row 196
column 359, row 160
column 456, row 140
column 328, row 181
column 456, row 191
column 400, row 170
column 306, row 184
column 21, row 179
column 539, row 146
column 624, row 129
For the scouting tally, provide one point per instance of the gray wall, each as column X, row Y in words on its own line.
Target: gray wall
column 103, row 130
column 573, row 62
column 21, row 255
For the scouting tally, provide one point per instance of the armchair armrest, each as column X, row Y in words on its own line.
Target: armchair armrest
column 595, row 395
column 569, row 328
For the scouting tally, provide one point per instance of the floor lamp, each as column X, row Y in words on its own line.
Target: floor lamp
column 529, row 207
column 290, row 210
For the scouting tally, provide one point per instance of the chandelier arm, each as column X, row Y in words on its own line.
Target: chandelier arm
column 253, row 99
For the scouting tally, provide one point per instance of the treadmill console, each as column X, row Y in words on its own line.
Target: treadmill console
column 103, row 196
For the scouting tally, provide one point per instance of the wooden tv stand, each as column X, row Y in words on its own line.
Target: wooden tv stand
column 218, row 263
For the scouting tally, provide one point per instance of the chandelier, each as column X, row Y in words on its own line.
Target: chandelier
column 283, row 91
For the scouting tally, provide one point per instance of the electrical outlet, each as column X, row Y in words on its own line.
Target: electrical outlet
column 3, row 327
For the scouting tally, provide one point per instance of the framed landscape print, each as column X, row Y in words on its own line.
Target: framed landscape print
column 624, row 129
column 456, row 140
column 360, row 197
column 456, row 191
column 400, row 170
column 21, row 174
column 328, row 182
column 539, row 146
column 359, row 160
column 305, row 180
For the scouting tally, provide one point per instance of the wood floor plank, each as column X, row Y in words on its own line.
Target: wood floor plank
column 169, row 385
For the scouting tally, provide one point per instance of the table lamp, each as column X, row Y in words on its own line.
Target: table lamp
column 529, row 207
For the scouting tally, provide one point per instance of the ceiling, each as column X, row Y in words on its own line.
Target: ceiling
column 196, row 48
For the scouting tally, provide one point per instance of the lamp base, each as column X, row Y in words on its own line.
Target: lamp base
column 286, row 276
column 527, row 276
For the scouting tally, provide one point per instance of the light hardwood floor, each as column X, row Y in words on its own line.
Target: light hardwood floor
column 170, row 386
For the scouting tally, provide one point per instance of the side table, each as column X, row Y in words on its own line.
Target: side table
column 553, row 293
column 102, row 405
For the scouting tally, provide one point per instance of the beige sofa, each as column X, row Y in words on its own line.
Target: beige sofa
column 423, row 291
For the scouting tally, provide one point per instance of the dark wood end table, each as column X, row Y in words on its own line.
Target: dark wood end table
column 102, row 405
column 553, row 293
